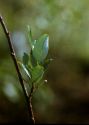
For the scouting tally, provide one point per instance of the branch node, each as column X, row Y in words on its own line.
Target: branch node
column 13, row 54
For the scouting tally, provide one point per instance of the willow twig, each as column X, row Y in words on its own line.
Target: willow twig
column 13, row 55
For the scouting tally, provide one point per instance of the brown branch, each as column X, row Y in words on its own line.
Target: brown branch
column 30, row 102
column 13, row 55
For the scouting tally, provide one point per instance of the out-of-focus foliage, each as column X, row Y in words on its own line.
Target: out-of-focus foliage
column 65, row 98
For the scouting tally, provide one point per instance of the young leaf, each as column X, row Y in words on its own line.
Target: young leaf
column 37, row 74
column 26, row 69
column 30, row 36
column 25, row 59
column 31, row 41
column 40, row 49
column 32, row 60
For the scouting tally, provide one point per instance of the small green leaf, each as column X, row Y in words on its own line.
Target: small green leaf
column 30, row 36
column 25, row 59
column 37, row 73
column 26, row 69
column 31, row 41
column 32, row 60
column 40, row 48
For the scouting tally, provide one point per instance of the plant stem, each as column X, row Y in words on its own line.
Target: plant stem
column 30, row 100
column 13, row 55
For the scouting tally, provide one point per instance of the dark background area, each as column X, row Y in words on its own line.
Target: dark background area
column 65, row 98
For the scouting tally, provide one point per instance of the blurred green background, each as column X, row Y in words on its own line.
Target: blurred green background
column 65, row 98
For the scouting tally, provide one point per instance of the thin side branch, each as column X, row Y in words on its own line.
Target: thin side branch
column 12, row 53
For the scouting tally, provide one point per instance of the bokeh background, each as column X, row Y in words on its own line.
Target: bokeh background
column 65, row 98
